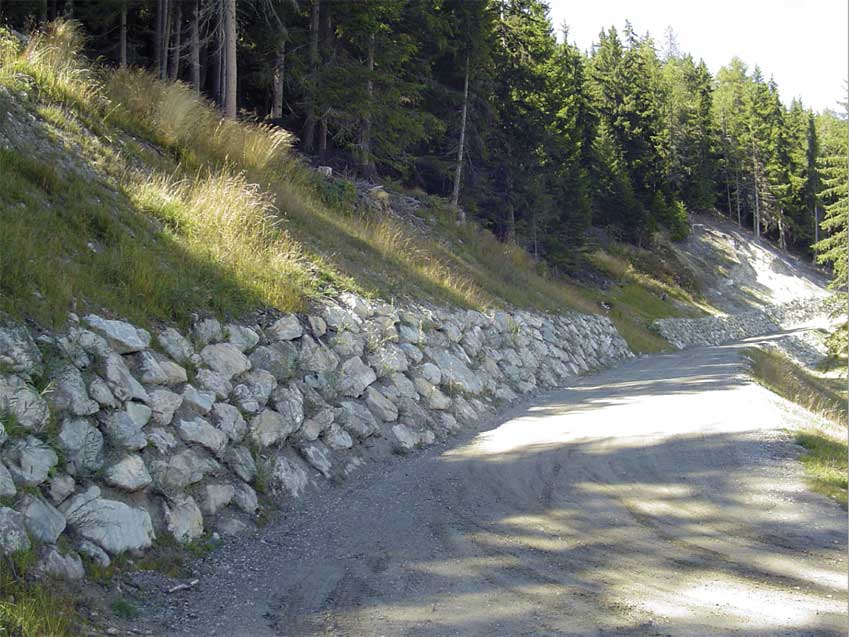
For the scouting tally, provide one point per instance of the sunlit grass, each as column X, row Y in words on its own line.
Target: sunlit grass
column 826, row 464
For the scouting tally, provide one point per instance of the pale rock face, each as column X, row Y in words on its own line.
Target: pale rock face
column 183, row 518
column 13, row 532
column 207, row 331
column 348, row 344
column 269, row 427
column 123, row 431
column 253, row 391
column 434, row 398
column 82, row 444
column 242, row 338
column 129, row 474
column 429, row 372
column 240, row 460
column 290, row 475
column 61, row 486
column 231, row 526
column 336, row 437
column 455, row 372
column 200, row 432
column 341, row 319
column 163, row 404
column 281, row 359
column 380, row 406
column 114, row 526
column 449, row 422
column 408, row 439
column 318, row 456
column 199, row 401
column 404, row 386
column 174, row 373
column 149, row 370
column 245, row 498
column 43, row 521
column 99, row 391
column 360, row 306
column 388, row 359
column 7, row 484
column 23, row 402
column 182, row 469
column 313, row 427
column 317, row 325
column 176, row 345
column 30, row 460
column 123, row 384
column 18, row 352
column 95, row 553
column 225, row 359
column 355, row 377
column 215, row 497
column 89, row 342
column 315, row 357
column 289, row 402
column 67, row 567
column 139, row 413
column 122, row 337
column 505, row 394
column 413, row 353
column 230, row 421
column 162, row 440
column 69, row 393
column 286, row 328
column 211, row 381
column 356, row 419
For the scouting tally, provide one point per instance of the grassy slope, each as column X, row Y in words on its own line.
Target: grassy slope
column 826, row 457
column 122, row 194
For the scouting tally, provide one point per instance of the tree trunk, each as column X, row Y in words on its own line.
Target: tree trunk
column 157, row 49
column 782, row 245
column 461, row 215
column 195, row 53
column 323, row 135
column 367, row 166
column 122, row 49
column 757, row 216
column 69, row 8
column 309, row 142
column 166, row 38
column 738, row 193
column 277, row 80
column 178, row 30
column 230, row 59
column 216, row 67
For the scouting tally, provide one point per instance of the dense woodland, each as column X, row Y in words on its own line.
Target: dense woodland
column 480, row 101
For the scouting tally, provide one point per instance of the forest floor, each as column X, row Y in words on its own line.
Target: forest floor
column 664, row 497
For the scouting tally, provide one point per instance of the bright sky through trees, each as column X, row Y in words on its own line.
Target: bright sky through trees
column 803, row 45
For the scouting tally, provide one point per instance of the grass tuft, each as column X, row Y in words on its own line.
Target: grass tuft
column 825, row 462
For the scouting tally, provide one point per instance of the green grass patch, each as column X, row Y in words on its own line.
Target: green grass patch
column 825, row 461
column 33, row 609
column 821, row 394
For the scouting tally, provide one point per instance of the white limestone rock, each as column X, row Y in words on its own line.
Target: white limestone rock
column 355, row 377
column 286, row 328
column 214, row 382
column 69, row 393
column 176, row 345
column 21, row 401
column 82, row 444
column 199, row 431
column 199, row 401
column 183, row 518
column 215, row 497
column 241, row 462
column 230, row 421
column 18, row 352
column 44, row 522
column 129, row 474
column 336, row 437
column 163, row 404
column 242, row 338
column 30, row 460
column 13, row 532
column 225, row 359
column 269, row 427
column 112, row 525
column 122, row 337
column 380, row 406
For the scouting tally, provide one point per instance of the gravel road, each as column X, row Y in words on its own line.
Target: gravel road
column 659, row 498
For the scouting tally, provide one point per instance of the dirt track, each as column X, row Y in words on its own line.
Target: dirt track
column 660, row 498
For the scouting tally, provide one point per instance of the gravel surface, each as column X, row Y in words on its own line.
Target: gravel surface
column 659, row 498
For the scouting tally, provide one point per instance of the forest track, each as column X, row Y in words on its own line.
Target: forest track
column 663, row 497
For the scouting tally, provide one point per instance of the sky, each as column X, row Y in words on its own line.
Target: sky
column 803, row 45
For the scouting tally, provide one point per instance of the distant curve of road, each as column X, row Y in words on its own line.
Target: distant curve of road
column 663, row 497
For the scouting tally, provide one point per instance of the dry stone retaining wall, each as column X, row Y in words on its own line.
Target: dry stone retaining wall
column 113, row 436
column 717, row 330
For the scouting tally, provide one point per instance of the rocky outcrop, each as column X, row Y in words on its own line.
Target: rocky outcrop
column 141, row 434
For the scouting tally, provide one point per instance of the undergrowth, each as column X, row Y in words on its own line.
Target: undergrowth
column 164, row 209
